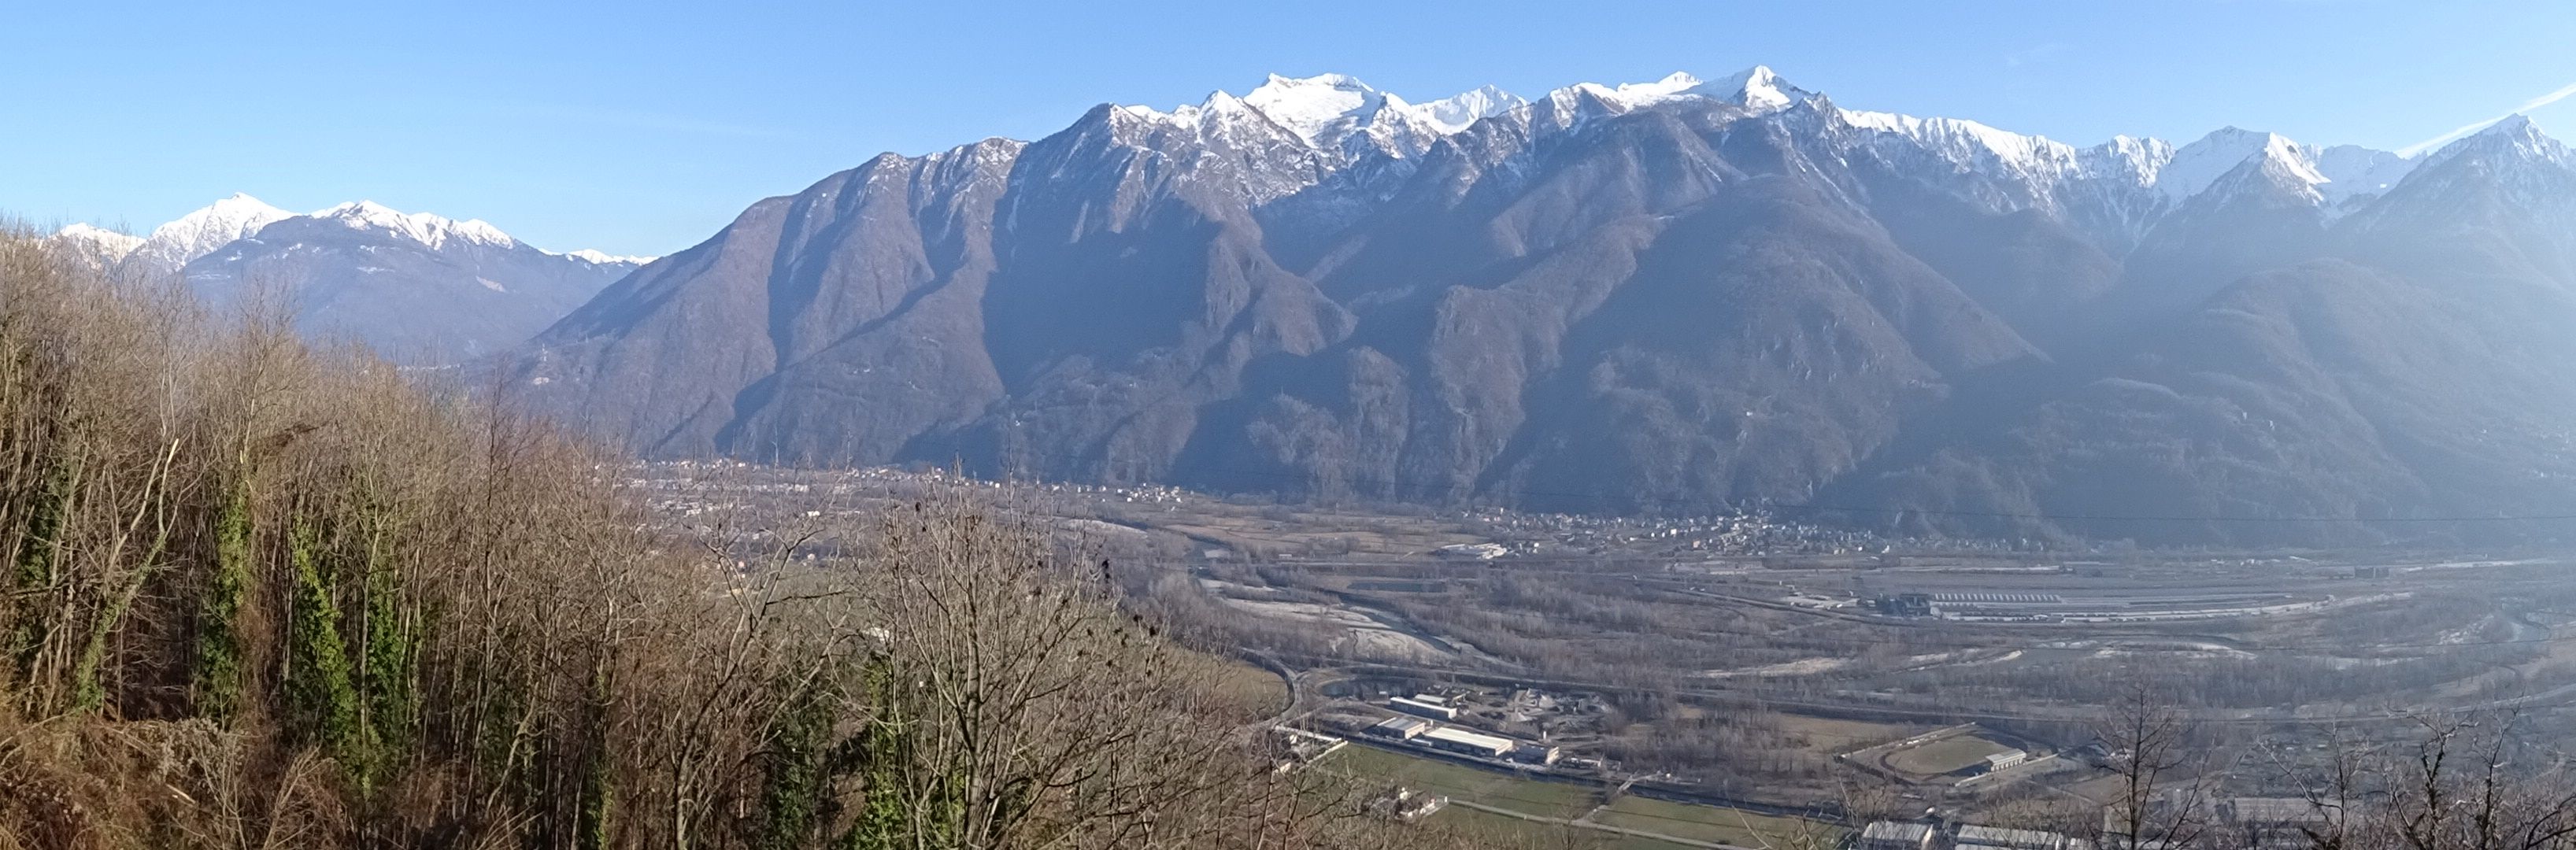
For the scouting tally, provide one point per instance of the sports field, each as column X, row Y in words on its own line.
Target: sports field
column 1725, row 826
column 1943, row 756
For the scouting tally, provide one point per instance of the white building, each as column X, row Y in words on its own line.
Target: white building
column 1400, row 728
column 1894, row 835
column 1459, row 740
column 1417, row 707
column 1999, row 838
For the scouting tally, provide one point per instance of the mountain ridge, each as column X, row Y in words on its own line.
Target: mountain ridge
column 1676, row 295
column 421, row 288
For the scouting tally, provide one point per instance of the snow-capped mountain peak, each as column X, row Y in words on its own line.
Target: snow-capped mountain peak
column 1969, row 143
column 2515, row 125
column 597, row 257
column 2197, row 165
column 200, row 232
column 2514, row 136
column 430, row 230
column 1630, row 96
column 2131, row 160
column 1756, row 88
column 1311, row 106
column 1457, row 112
column 107, row 246
column 234, row 211
column 2355, row 171
column 1336, row 114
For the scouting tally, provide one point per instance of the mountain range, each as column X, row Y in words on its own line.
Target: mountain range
column 419, row 288
column 1677, row 296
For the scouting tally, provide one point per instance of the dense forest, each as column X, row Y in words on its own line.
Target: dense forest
column 261, row 594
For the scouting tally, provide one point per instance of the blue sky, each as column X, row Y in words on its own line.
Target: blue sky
column 642, row 127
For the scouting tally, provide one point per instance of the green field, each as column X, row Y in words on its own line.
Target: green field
column 1710, row 823
column 1565, row 800
column 1506, row 831
column 1459, row 782
column 1944, row 755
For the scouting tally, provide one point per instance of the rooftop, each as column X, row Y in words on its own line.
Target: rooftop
column 1888, row 830
column 2031, row 839
column 1456, row 735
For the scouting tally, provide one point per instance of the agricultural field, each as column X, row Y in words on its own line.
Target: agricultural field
column 1459, row 782
column 1505, row 830
column 1829, row 736
column 1243, row 690
column 1725, row 826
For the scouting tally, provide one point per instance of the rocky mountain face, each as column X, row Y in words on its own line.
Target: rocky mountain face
column 418, row 288
column 1676, row 296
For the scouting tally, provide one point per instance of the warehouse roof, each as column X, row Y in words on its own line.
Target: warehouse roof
column 2025, row 839
column 1401, row 724
column 1905, row 833
column 1456, row 735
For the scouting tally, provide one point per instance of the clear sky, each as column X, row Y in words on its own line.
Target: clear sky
column 643, row 126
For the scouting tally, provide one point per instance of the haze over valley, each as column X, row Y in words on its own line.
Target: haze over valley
column 1882, row 452
column 1672, row 297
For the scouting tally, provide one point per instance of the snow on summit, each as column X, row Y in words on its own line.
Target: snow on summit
column 1636, row 95
column 1457, row 112
column 598, row 257
column 427, row 229
column 1330, row 111
column 205, row 231
column 436, row 231
column 1756, row 88
column 199, row 233
column 1312, row 105
column 107, row 245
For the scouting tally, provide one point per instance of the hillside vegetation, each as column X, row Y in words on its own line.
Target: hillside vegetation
column 1745, row 297
column 262, row 595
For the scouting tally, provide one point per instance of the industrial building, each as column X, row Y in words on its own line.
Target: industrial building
column 1997, row 599
column 1894, row 835
column 1972, row 837
column 1420, row 707
column 1538, row 754
column 1458, row 740
column 1400, row 728
column 1906, row 605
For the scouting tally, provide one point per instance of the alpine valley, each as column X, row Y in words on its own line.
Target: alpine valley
column 1674, row 297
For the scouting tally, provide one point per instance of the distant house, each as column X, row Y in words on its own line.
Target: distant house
column 1406, row 804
